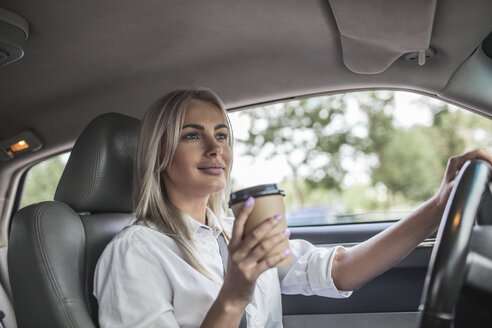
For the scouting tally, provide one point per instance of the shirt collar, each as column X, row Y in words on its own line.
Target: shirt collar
column 213, row 223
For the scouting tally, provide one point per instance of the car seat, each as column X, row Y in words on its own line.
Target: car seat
column 54, row 245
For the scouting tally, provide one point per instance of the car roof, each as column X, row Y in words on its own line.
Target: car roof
column 83, row 58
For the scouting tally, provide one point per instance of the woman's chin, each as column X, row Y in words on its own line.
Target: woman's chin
column 215, row 188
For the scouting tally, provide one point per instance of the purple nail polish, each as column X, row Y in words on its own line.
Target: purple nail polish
column 249, row 202
column 286, row 232
column 286, row 251
column 279, row 217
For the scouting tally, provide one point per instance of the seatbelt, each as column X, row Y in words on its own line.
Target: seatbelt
column 224, row 254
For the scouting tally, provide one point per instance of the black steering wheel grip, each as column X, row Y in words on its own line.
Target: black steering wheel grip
column 452, row 264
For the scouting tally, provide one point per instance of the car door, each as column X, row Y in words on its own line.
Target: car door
column 390, row 300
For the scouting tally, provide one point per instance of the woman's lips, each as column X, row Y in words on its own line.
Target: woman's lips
column 212, row 171
column 212, row 168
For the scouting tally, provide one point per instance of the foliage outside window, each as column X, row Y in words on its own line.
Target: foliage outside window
column 42, row 179
column 364, row 156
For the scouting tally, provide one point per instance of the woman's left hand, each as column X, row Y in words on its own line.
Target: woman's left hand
column 455, row 164
column 357, row 265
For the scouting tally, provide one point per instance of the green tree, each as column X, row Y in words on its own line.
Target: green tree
column 379, row 109
column 410, row 164
column 406, row 164
column 360, row 198
column 41, row 181
column 308, row 134
column 460, row 131
column 412, row 161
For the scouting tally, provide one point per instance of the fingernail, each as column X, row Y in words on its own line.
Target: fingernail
column 286, row 251
column 286, row 232
column 249, row 202
column 279, row 217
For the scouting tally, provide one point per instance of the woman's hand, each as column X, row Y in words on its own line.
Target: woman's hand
column 359, row 264
column 455, row 164
column 246, row 254
column 244, row 265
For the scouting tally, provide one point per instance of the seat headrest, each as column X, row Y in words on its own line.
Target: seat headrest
column 98, row 176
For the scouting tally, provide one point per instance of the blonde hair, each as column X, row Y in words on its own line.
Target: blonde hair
column 158, row 139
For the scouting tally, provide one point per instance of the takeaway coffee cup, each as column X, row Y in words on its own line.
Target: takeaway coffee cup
column 269, row 201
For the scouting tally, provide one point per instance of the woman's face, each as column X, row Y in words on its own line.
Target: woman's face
column 202, row 160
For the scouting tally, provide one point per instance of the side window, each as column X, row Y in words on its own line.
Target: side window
column 355, row 157
column 42, row 179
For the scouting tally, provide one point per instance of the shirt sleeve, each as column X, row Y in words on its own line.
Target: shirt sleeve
column 132, row 289
column 310, row 271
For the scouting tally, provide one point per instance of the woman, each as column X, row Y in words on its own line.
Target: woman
column 166, row 270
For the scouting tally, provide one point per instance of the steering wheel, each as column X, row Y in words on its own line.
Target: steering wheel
column 452, row 263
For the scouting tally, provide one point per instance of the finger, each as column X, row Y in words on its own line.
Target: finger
column 240, row 220
column 478, row 154
column 272, row 261
column 452, row 168
column 254, row 237
column 267, row 245
column 456, row 163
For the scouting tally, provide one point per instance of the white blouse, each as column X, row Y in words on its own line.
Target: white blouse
column 141, row 280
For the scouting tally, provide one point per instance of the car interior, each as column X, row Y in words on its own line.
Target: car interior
column 78, row 76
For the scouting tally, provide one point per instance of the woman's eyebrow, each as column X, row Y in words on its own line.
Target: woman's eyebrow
column 194, row 126
column 202, row 128
column 221, row 126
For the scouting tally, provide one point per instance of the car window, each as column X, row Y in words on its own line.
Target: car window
column 42, row 179
column 357, row 157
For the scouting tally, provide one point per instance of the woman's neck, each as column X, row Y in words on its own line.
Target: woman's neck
column 196, row 208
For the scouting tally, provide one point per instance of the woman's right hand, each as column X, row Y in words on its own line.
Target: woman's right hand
column 245, row 264
column 246, row 254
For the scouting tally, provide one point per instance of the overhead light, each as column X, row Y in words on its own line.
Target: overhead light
column 18, row 146
column 25, row 142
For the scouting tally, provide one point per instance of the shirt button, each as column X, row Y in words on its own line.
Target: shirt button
column 257, row 318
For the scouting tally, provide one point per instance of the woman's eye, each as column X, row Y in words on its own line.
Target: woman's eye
column 221, row 136
column 191, row 136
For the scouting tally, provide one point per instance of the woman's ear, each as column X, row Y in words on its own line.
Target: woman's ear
column 164, row 174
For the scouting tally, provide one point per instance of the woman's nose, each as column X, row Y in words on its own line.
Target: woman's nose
column 214, row 149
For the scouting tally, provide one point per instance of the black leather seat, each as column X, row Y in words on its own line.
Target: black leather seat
column 54, row 245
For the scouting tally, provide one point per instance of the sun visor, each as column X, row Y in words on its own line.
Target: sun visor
column 375, row 33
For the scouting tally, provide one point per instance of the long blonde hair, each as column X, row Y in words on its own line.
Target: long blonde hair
column 158, row 139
